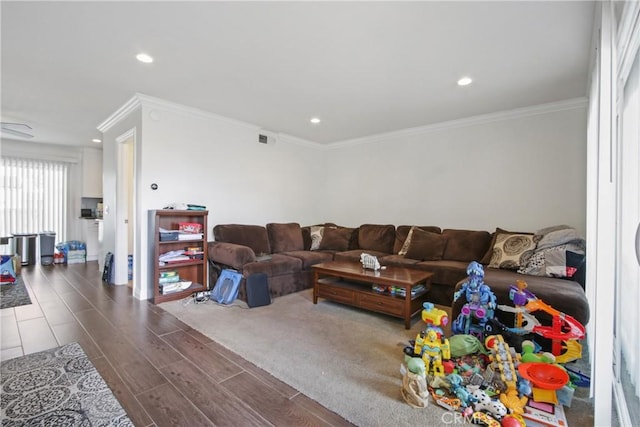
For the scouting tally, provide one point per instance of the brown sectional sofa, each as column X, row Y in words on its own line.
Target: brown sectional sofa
column 283, row 252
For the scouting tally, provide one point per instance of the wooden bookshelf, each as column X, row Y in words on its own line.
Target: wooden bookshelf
column 194, row 270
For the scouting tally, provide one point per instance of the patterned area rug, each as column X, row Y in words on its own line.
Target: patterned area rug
column 58, row 387
column 14, row 295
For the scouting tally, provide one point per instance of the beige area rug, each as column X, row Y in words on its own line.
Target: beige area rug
column 345, row 358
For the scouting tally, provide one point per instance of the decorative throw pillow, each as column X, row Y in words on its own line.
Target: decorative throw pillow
column 486, row 259
column 316, row 237
column 407, row 242
column 511, row 251
column 426, row 246
column 335, row 239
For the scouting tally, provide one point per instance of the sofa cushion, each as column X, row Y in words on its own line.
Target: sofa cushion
column 335, row 238
column 310, row 258
column 285, row 237
column 253, row 236
column 512, row 251
column 466, row 245
column 278, row 265
column 397, row 261
column 426, row 246
column 402, row 231
column 235, row 256
column 376, row 237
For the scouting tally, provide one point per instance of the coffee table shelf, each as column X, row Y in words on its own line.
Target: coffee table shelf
column 348, row 283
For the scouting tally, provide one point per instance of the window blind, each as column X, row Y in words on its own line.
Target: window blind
column 33, row 196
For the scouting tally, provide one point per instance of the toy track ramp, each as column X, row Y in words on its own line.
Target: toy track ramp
column 570, row 327
column 573, row 352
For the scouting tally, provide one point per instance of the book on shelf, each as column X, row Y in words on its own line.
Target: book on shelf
column 190, row 236
column 168, row 288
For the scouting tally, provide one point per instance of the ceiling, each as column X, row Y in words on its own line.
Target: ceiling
column 364, row 68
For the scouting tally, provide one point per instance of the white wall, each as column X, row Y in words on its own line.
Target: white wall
column 519, row 173
column 199, row 158
column 516, row 171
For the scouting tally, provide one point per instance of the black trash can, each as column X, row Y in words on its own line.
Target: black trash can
column 25, row 245
column 47, row 247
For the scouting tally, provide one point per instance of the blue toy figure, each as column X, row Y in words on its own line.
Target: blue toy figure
column 480, row 303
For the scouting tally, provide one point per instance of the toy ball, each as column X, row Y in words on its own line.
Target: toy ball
column 512, row 421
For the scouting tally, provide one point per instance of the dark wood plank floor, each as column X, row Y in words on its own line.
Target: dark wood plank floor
column 163, row 372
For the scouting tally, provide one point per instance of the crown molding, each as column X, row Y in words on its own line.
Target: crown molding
column 146, row 101
column 568, row 104
column 152, row 102
column 131, row 105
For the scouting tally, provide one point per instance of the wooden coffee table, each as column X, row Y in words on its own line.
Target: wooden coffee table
column 349, row 283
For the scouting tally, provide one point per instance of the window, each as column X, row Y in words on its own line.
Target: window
column 33, row 196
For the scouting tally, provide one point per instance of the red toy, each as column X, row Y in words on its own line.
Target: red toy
column 544, row 375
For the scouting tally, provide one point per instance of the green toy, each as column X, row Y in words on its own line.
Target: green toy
column 464, row 344
column 528, row 354
column 415, row 365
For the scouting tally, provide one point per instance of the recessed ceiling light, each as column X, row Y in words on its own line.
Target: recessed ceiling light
column 315, row 120
column 464, row 81
column 96, row 140
column 143, row 57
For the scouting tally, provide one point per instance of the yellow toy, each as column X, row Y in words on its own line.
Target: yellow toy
column 433, row 349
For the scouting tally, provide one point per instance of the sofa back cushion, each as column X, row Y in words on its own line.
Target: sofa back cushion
column 285, row 237
column 376, row 237
column 466, row 245
column 253, row 236
column 426, row 246
column 403, row 230
column 336, row 238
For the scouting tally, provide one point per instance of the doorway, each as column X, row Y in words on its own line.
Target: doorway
column 125, row 244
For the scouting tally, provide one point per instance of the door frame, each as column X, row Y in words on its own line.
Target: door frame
column 122, row 207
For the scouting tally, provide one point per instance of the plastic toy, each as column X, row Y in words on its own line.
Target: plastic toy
column 484, row 419
column 513, row 420
column 564, row 329
column 369, row 262
column 528, row 354
column 578, row 378
column 434, row 317
column 452, row 404
column 458, row 388
column 524, row 386
column 544, row 375
column 485, row 403
column 511, row 400
column 433, row 349
column 502, row 360
column 480, row 305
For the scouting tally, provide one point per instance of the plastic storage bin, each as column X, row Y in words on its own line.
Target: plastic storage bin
column 25, row 245
column 47, row 247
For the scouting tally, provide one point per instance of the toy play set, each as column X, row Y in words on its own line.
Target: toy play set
column 494, row 374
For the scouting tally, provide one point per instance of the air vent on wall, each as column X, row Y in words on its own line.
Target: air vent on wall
column 266, row 137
